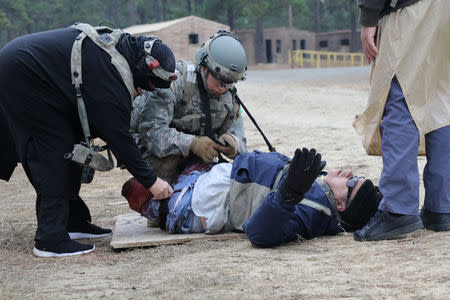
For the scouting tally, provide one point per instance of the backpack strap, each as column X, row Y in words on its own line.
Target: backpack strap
column 107, row 41
column 75, row 66
column 77, row 80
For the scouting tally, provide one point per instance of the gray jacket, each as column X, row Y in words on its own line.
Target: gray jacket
column 373, row 10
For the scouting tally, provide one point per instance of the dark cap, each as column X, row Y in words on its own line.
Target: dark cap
column 363, row 206
column 159, row 52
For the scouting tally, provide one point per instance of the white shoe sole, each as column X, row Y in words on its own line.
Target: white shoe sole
column 81, row 235
column 41, row 253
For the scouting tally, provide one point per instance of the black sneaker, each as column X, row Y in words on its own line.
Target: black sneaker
column 385, row 225
column 435, row 221
column 60, row 248
column 87, row 231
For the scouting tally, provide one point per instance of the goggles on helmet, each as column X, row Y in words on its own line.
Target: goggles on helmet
column 153, row 64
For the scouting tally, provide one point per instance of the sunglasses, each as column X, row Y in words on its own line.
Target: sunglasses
column 351, row 182
column 222, row 83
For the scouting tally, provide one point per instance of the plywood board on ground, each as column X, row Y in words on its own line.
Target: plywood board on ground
column 131, row 231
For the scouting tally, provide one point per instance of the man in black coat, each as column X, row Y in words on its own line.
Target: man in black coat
column 40, row 123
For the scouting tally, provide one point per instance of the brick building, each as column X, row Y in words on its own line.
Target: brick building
column 184, row 36
column 338, row 41
column 277, row 42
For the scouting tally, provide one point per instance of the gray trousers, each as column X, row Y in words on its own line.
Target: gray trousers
column 399, row 182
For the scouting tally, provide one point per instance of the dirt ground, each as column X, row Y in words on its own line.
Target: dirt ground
column 311, row 113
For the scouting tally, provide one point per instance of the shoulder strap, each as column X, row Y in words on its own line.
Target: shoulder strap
column 206, row 125
column 75, row 65
column 108, row 41
column 232, row 114
column 189, row 75
column 77, row 80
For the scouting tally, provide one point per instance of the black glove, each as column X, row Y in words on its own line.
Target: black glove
column 303, row 170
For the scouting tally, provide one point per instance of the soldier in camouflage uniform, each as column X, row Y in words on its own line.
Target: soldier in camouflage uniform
column 171, row 124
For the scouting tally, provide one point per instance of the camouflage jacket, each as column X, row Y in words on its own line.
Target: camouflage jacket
column 167, row 120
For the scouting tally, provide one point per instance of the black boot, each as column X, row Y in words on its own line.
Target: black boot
column 385, row 225
column 435, row 221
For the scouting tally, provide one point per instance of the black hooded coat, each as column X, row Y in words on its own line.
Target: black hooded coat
column 39, row 120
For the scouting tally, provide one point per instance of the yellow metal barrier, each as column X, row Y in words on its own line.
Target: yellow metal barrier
column 317, row 59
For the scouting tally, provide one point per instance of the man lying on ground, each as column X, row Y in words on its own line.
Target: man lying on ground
column 268, row 196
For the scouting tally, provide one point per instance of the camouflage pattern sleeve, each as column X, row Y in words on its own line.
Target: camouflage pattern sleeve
column 236, row 129
column 151, row 117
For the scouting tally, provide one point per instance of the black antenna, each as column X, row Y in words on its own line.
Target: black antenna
column 269, row 145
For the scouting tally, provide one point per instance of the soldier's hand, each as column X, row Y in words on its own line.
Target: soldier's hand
column 230, row 150
column 204, row 147
column 161, row 189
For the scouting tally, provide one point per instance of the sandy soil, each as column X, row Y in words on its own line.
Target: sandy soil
column 292, row 114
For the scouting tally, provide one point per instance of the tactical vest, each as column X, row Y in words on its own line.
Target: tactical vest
column 189, row 84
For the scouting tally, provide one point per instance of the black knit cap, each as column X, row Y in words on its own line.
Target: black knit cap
column 363, row 206
column 166, row 59
column 133, row 50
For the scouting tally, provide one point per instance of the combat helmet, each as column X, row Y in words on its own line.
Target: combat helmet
column 224, row 56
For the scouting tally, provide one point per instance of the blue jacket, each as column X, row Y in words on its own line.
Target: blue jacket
column 181, row 218
column 276, row 222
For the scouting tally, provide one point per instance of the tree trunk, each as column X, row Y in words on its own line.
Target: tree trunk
column 10, row 34
column 354, row 38
column 157, row 10
column 189, row 7
column 142, row 16
column 164, row 9
column 198, row 5
column 29, row 28
column 114, row 13
column 259, row 42
column 231, row 17
column 132, row 11
column 317, row 17
column 290, row 16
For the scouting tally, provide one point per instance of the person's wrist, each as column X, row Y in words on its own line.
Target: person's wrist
column 369, row 17
column 290, row 195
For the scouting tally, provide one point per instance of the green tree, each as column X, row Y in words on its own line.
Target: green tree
column 14, row 17
column 342, row 14
column 19, row 17
column 257, row 10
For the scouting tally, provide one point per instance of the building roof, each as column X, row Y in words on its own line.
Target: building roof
column 336, row 32
column 146, row 28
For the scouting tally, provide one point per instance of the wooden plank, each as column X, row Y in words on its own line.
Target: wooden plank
column 130, row 230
